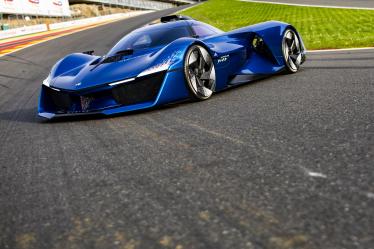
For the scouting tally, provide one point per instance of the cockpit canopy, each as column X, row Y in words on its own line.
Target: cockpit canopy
column 159, row 35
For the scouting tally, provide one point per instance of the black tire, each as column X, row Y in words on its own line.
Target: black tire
column 199, row 72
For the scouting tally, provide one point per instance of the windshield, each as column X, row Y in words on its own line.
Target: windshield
column 204, row 30
column 149, row 39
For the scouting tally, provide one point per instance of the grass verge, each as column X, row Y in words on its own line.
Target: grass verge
column 321, row 28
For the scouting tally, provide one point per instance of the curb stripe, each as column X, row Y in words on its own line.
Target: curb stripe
column 338, row 50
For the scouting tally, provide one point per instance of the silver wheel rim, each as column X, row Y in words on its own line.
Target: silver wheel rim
column 292, row 51
column 200, row 72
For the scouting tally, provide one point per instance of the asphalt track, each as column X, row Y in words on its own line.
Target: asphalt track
column 337, row 3
column 285, row 162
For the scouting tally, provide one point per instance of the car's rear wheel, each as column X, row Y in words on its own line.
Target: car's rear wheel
column 199, row 72
column 293, row 51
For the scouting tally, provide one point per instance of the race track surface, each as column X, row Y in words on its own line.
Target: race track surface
column 338, row 3
column 285, row 162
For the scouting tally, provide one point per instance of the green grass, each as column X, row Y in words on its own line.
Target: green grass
column 321, row 28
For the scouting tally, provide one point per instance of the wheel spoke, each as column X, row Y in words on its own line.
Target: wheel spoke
column 285, row 51
column 296, row 58
column 212, row 73
column 292, row 64
column 206, row 75
column 292, row 47
column 202, row 87
column 193, row 58
column 289, row 35
column 194, row 82
column 201, row 63
column 205, row 55
column 207, row 91
column 199, row 81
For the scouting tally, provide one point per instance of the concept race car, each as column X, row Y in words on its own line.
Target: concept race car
column 176, row 59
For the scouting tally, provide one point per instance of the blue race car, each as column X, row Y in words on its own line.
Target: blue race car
column 177, row 59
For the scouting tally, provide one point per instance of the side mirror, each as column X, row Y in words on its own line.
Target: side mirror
column 90, row 52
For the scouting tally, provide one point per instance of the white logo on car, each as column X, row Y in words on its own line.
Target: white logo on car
column 223, row 58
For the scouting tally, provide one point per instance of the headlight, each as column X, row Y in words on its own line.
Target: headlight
column 47, row 81
column 157, row 68
column 163, row 66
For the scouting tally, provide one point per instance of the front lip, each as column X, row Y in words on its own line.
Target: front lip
column 50, row 115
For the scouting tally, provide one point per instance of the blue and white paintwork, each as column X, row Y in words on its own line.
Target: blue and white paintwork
column 235, row 61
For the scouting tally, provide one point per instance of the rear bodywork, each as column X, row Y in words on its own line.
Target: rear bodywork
column 155, row 76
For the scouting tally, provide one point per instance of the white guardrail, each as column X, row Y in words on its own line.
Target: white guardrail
column 93, row 20
column 43, row 27
column 142, row 4
column 23, row 31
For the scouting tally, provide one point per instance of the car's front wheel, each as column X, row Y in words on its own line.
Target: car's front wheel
column 199, row 72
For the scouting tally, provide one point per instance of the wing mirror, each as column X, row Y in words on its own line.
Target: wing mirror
column 90, row 52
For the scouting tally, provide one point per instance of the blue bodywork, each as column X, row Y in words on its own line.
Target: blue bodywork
column 79, row 84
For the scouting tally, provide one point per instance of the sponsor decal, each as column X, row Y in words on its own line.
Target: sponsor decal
column 8, row 3
column 223, row 58
column 57, row 3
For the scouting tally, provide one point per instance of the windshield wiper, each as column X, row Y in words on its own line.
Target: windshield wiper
column 113, row 58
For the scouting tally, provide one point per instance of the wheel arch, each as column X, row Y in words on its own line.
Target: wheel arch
column 182, row 45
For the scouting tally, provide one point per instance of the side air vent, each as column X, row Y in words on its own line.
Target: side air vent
column 174, row 18
column 259, row 45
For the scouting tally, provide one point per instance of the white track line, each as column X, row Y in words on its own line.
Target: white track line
column 195, row 5
column 338, row 50
column 310, row 5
